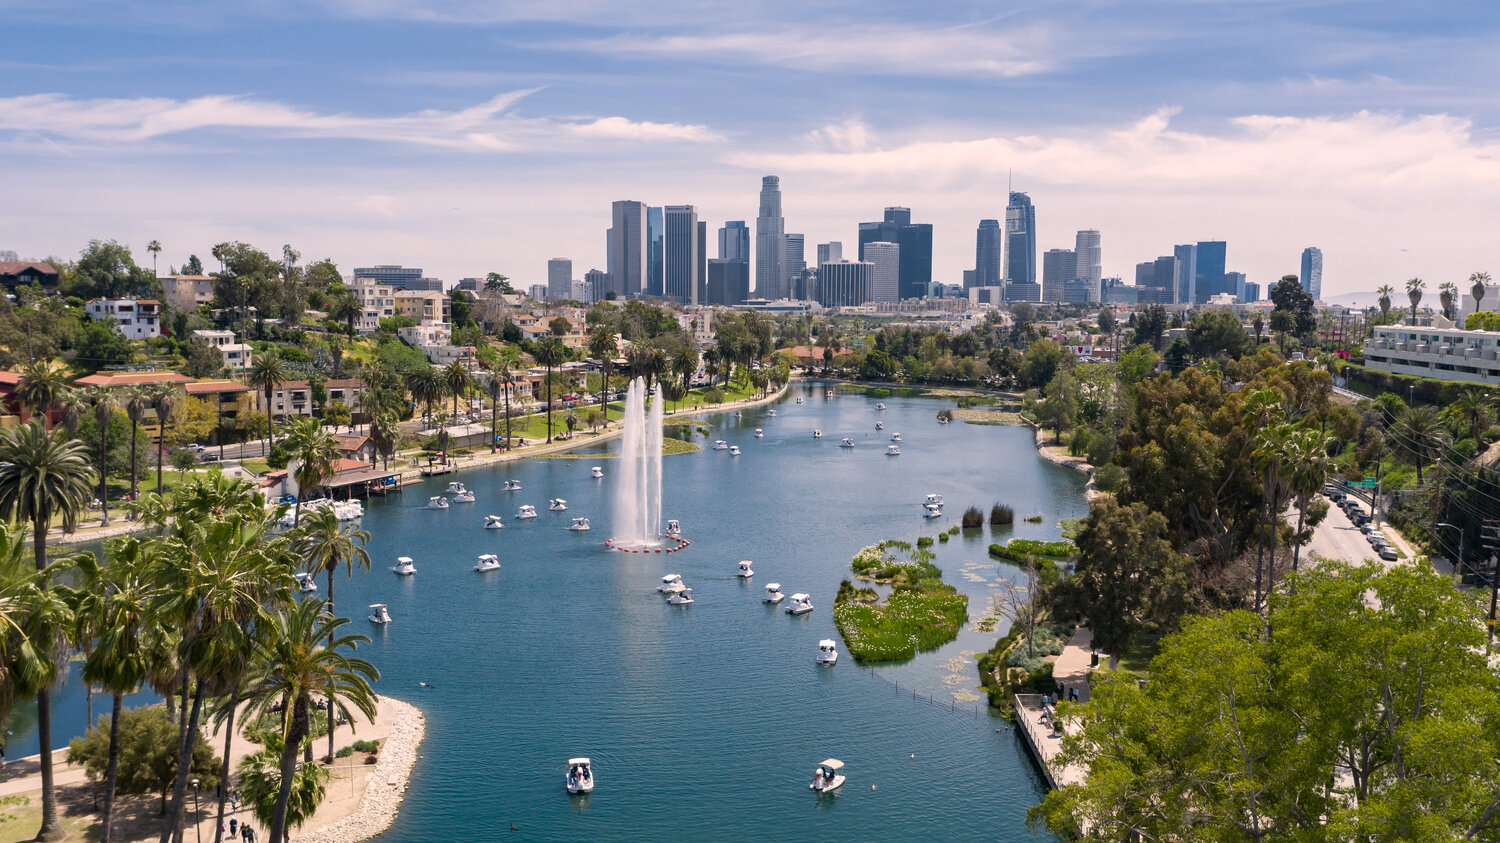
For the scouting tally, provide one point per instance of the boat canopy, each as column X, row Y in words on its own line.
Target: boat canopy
column 377, row 605
column 826, row 644
column 671, row 578
column 833, row 764
column 800, row 597
column 773, row 586
column 406, row 559
column 485, row 556
column 572, row 761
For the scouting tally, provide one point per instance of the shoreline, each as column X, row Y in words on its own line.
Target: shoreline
column 385, row 789
column 1063, row 459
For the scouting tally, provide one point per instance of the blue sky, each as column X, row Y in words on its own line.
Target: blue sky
column 469, row 137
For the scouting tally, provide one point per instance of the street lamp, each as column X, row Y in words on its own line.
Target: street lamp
column 1458, row 566
column 197, row 817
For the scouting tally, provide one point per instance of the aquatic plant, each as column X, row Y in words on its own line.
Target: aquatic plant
column 1001, row 515
column 973, row 519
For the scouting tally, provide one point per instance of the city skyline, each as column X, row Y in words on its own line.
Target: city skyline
column 268, row 124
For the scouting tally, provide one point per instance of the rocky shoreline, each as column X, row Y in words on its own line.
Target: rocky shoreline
column 386, row 786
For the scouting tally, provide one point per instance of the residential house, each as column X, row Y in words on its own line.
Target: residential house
column 358, row 448
column 377, row 300
column 236, row 355
column 188, row 292
column 424, row 306
column 136, row 319
column 15, row 274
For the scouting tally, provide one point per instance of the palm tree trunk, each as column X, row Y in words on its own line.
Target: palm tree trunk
column 549, row 403
column 329, row 609
column 134, row 469
column 234, row 701
column 51, row 827
column 265, row 446
column 184, row 766
column 103, row 481
column 161, row 444
column 494, row 408
column 507, row 414
column 1297, row 539
column 295, row 735
column 112, row 771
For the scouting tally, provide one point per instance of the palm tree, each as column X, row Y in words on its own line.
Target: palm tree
column 1307, row 458
column 602, row 344
column 385, row 430
column 711, row 358
column 498, row 384
column 1447, row 295
column 346, row 308
column 164, row 401
column 658, row 363
column 1478, row 286
column 310, row 445
column 549, row 351
column 684, row 364
column 456, row 380
column 1421, row 435
column 267, row 371
column 41, row 476
column 103, row 400
column 260, row 784
column 1471, row 411
column 425, row 385
column 41, row 388
column 326, row 543
column 137, row 401
column 302, row 657
column 154, row 247
column 72, row 403
column 1414, row 288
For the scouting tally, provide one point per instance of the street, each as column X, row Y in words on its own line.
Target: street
column 1338, row 538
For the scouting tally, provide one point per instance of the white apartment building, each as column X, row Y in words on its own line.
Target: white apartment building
column 377, row 300
column 421, row 335
column 237, row 355
column 294, row 398
column 136, row 319
column 1450, row 354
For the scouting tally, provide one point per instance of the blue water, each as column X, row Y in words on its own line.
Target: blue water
column 704, row 721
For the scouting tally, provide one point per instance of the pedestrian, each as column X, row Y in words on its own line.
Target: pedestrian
column 224, row 831
column 245, row 832
column 234, row 828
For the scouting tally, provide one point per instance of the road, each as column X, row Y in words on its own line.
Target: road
column 1338, row 538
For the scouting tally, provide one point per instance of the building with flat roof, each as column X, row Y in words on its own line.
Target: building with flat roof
column 188, row 292
column 1444, row 353
column 135, row 319
column 236, row 355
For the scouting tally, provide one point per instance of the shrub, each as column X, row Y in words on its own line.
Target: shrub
column 278, row 458
column 147, row 752
column 878, row 563
column 1492, row 433
column 1102, row 447
column 1033, row 519
column 1059, row 550
column 973, row 518
column 943, row 537
column 344, row 752
column 714, row 396
column 1108, row 477
column 912, row 619
column 924, row 542
column 1000, row 515
column 366, row 746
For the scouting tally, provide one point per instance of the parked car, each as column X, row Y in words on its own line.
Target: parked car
column 194, row 447
column 1389, row 554
column 208, row 456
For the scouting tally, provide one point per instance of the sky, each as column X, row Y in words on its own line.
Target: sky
column 471, row 136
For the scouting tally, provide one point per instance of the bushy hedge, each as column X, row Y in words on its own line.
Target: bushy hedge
column 1372, row 382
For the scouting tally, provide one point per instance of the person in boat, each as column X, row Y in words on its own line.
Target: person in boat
column 818, row 778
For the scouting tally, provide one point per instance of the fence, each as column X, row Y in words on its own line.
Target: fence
column 974, row 709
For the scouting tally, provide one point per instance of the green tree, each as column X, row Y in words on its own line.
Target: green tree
column 1060, row 408
column 106, row 269
column 305, row 656
column 311, row 446
column 268, row 370
column 201, row 359
column 1307, row 458
column 102, row 398
column 164, row 402
column 549, row 351
column 100, row 344
column 1150, row 325
column 1385, row 292
column 326, row 544
column 43, row 476
column 1414, row 288
column 41, row 389
column 260, row 782
column 1421, row 436
column 1138, row 364
column 138, row 402
column 425, row 384
column 144, row 753
column 1216, row 332
column 456, row 380
column 1041, row 361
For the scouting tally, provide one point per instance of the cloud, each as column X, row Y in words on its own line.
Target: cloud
column 488, row 127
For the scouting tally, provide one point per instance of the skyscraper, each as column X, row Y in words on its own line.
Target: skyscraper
column 988, row 268
column 734, row 241
column 844, row 283
column 559, row 278
column 1090, row 260
column 915, row 240
column 682, row 255
column 830, row 252
column 598, row 283
column 728, row 281
column 1312, row 271
column 795, row 260
column 770, row 242
column 1211, row 276
column 1186, row 291
column 655, row 243
column 885, row 270
column 1020, row 240
column 1158, row 281
column 1059, row 266
column 627, row 251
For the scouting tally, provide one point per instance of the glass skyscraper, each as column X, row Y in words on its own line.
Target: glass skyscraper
column 655, row 244
column 770, row 241
column 1020, row 240
column 1312, row 271
column 915, row 242
column 988, row 268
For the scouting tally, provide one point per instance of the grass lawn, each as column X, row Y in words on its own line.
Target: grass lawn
column 1137, row 658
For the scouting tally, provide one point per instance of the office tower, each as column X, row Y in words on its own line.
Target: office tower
column 728, row 282
column 655, row 250
column 1312, row 272
column 1059, row 266
column 806, row 288
column 830, row 252
column 598, row 281
column 971, row 279
column 559, row 278
column 1158, row 281
column 915, row 241
column 683, row 251
column 844, row 283
column 1079, row 290
column 582, row 291
column 702, row 286
column 796, row 260
column 1020, row 240
column 1090, row 259
column 628, row 252
column 1234, row 284
column 770, row 242
column 406, row 277
column 1029, row 291
column 734, row 241
column 885, row 272
column 537, row 291
column 988, row 268
column 1252, row 292
column 1186, row 291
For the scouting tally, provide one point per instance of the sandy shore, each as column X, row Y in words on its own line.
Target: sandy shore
column 1059, row 455
column 381, row 786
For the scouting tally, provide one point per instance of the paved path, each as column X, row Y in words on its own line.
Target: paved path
column 1035, row 721
column 1338, row 538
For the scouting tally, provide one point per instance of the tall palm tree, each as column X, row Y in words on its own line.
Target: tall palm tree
column 41, row 389
column 385, row 430
column 658, row 363
column 1308, row 464
column 496, row 386
column 43, row 475
column 154, row 247
column 325, row 544
column 425, row 385
column 137, row 403
column 1472, row 412
column 103, row 400
column 602, row 344
column 305, row 656
column 1421, row 434
column 268, row 370
column 1447, row 295
column 1414, row 288
column 456, row 379
column 684, row 364
column 72, row 403
column 549, row 351
column 1478, row 285
column 164, row 402
column 310, row 445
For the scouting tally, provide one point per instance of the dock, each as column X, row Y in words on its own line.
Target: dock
column 1045, row 742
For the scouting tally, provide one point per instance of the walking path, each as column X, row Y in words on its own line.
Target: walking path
column 1037, row 721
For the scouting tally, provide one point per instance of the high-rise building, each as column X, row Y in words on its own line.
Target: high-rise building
column 830, row 252
column 582, row 291
column 1312, row 271
column 1090, row 260
column 559, row 278
column 989, row 270
column 683, row 252
column 885, row 272
column 915, row 241
column 598, row 281
column 770, row 242
column 1059, row 266
column 734, row 241
column 728, row 281
column 1020, row 240
column 795, row 261
column 628, row 251
column 1186, row 291
column 1158, row 281
column 844, row 283
column 655, row 250
column 409, row 277
column 701, row 288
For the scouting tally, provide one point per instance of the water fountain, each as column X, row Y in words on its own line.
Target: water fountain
column 637, row 521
